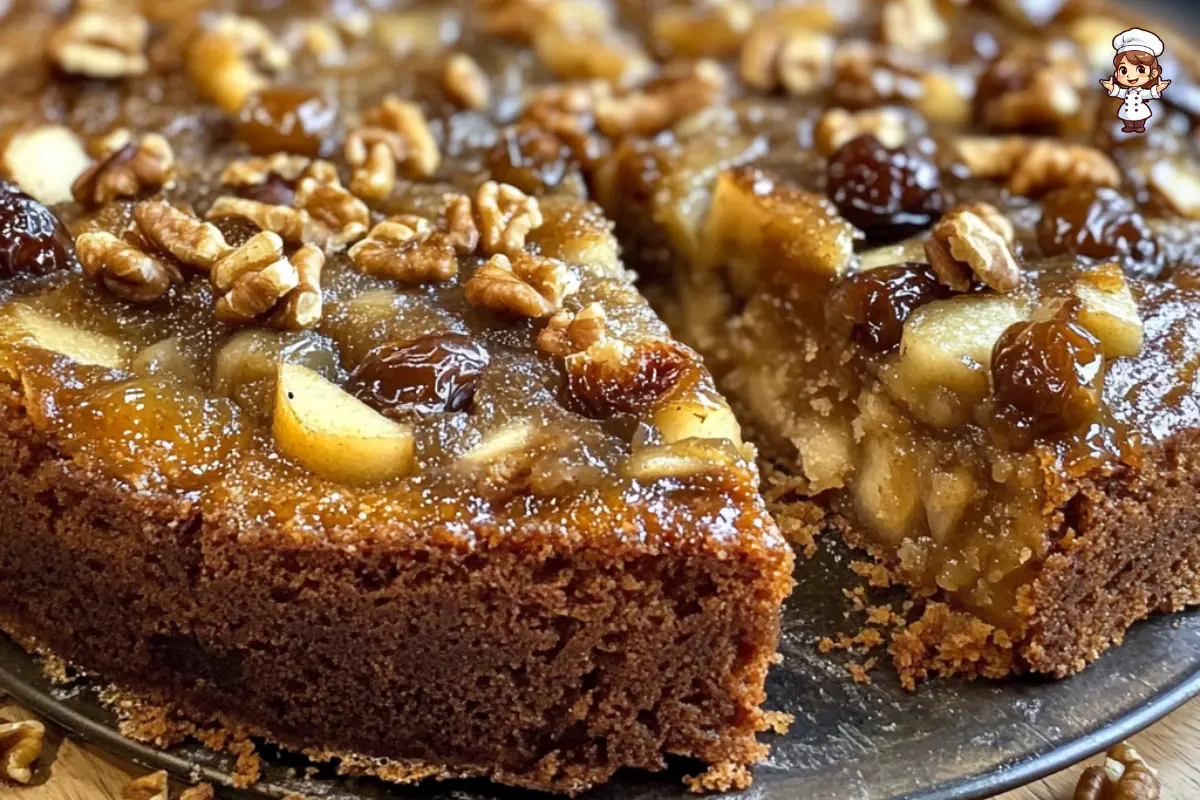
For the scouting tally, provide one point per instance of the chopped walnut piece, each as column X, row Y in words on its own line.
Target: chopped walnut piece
column 682, row 88
column 913, row 25
column 838, row 126
column 201, row 791
column 301, row 307
column 293, row 224
column 867, row 76
column 566, row 333
column 230, row 61
column 127, row 171
column 1034, row 167
column 1031, row 88
column 566, row 109
column 464, row 229
column 796, row 58
column 124, row 270
column 519, row 19
column 394, row 134
column 101, row 43
column 291, row 168
column 525, row 285
column 505, row 216
column 331, row 205
column 406, row 249
column 705, row 30
column 1124, row 776
column 575, row 53
column 20, row 746
column 465, row 82
column 195, row 243
column 254, row 280
column 148, row 787
column 974, row 238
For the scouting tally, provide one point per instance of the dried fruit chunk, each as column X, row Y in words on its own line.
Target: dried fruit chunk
column 287, row 119
column 23, row 325
column 45, row 161
column 612, row 377
column 767, row 231
column 875, row 304
column 1097, row 222
column 232, row 59
column 535, row 161
column 947, row 347
column 888, row 194
column 1031, row 88
column 334, row 434
column 32, row 240
column 125, row 270
column 127, row 168
column 1101, row 301
column 20, row 746
column 433, row 373
column 1050, row 373
column 974, row 241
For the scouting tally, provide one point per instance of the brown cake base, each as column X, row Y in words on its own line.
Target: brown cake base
column 536, row 660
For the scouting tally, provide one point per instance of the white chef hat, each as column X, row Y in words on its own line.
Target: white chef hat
column 1138, row 39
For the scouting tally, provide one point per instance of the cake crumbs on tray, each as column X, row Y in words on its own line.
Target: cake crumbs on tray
column 779, row 722
column 879, row 576
column 720, row 778
column 860, row 671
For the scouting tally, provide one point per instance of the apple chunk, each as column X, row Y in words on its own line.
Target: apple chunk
column 334, row 434
column 20, row 324
column 1107, row 308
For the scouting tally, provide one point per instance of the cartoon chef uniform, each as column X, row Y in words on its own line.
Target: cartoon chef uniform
column 1136, row 76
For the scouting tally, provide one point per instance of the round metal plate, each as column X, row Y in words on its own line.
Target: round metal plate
column 950, row 740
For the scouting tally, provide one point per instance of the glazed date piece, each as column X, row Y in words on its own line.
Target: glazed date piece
column 33, row 241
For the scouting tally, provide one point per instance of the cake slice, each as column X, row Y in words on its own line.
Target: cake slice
column 967, row 335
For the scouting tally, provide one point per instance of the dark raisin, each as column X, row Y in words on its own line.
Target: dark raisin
column 534, row 161
column 274, row 191
column 32, row 240
column 623, row 381
column 888, row 194
column 1098, row 223
column 1048, row 374
column 288, row 119
column 875, row 304
column 436, row 372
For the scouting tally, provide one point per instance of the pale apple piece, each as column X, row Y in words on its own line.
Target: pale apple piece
column 1177, row 182
column 946, row 97
column 577, row 232
column 165, row 357
column 948, row 343
column 948, row 494
column 20, row 324
column 504, row 441
column 416, row 31
column 891, row 254
column 886, row 489
column 45, row 161
column 1107, row 310
column 247, row 356
column 682, row 459
column 689, row 171
column 334, row 434
column 757, row 227
column 697, row 417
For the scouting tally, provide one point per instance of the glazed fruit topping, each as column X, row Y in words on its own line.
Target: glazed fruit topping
column 876, row 303
column 887, row 193
column 285, row 119
column 432, row 373
column 613, row 377
column 32, row 240
column 1097, row 222
column 1050, row 373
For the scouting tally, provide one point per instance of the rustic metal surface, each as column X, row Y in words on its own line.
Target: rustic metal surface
column 951, row 739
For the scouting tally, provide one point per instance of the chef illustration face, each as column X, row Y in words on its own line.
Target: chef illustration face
column 1136, row 68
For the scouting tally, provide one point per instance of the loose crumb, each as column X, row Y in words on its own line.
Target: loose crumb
column 720, row 778
column 859, row 671
column 779, row 721
column 876, row 574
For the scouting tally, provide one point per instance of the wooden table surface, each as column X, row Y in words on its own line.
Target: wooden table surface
column 73, row 772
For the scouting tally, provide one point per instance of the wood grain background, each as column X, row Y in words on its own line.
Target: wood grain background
column 70, row 771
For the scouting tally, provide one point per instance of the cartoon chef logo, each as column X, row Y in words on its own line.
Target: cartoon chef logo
column 1137, row 77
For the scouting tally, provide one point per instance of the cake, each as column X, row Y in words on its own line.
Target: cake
column 332, row 417
column 956, row 305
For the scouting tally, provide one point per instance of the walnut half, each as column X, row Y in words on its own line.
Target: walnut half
column 973, row 239
column 148, row 787
column 254, row 281
column 20, row 746
column 127, row 168
column 124, row 270
column 525, row 285
column 406, row 248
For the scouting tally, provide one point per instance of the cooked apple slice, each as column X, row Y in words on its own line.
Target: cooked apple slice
column 1109, row 312
column 165, row 357
column 697, row 417
column 886, row 489
column 757, row 228
column 682, row 459
column 20, row 324
column 946, row 354
column 334, row 434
